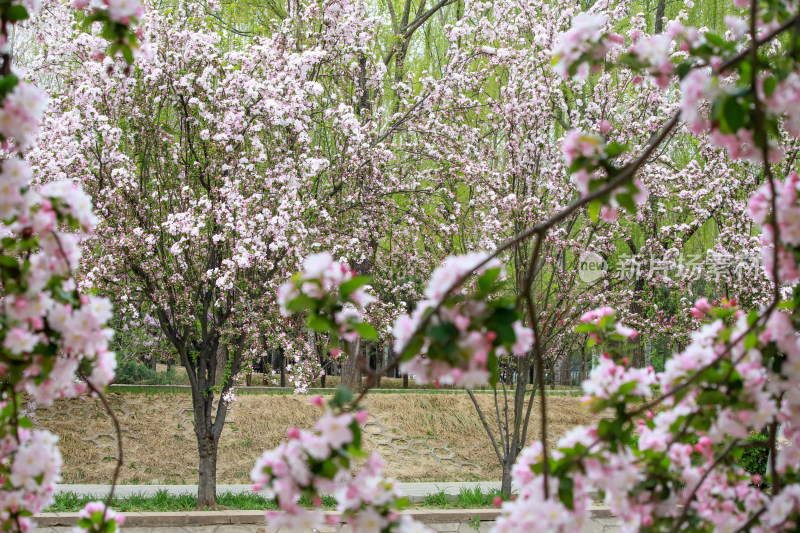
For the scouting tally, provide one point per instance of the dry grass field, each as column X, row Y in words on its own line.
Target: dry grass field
column 423, row 437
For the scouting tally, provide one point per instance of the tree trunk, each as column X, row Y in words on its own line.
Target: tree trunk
column 207, row 481
column 659, row 22
column 351, row 370
column 283, row 366
column 222, row 359
column 505, row 485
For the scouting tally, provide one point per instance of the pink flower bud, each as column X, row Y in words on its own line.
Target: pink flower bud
column 498, row 501
column 292, row 433
column 316, row 400
column 361, row 416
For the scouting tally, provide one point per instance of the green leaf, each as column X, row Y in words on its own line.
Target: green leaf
column 16, row 13
column 300, row 303
column 488, row 278
column 127, row 54
column 594, row 209
column 683, row 69
column 750, row 341
column 7, row 84
column 356, row 430
column 615, row 149
column 110, row 526
column 412, row 348
column 710, row 397
column 745, row 69
column 349, row 287
column 715, row 39
column 501, row 323
column 328, row 469
column 402, row 503
column 443, row 332
column 320, row 323
column 734, row 115
column 492, row 366
column 6, row 261
column 770, row 83
column 341, row 397
column 626, row 200
column 565, row 492
column 367, row 331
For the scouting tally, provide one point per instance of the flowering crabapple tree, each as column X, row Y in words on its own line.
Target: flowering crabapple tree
column 54, row 339
column 674, row 470
column 504, row 172
column 211, row 179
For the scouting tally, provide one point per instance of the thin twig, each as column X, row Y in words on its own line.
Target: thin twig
column 118, row 430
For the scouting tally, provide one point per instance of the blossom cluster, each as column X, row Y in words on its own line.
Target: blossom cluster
column 29, row 480
column 95, row 517
column 714, row 97
column 313, row 463
column 454, row 337
column 787, row 215
column 583, row 46
column 696, row 430
column 117, row 18
column 21, row 112
column 588, row 158
column 332, row 295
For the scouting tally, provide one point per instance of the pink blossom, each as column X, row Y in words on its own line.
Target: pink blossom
column 335, row 429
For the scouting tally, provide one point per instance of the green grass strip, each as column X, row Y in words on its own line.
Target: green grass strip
column 162, row 501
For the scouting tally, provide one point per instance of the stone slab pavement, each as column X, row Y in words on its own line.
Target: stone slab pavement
column 595, row 525
column 415, row 492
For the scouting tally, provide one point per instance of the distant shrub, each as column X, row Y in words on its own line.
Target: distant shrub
column 130, row 372
column 754, row 460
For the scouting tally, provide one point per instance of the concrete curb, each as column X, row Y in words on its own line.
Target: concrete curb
column 215, row 518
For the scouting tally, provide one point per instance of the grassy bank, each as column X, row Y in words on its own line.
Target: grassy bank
column 422, row 437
